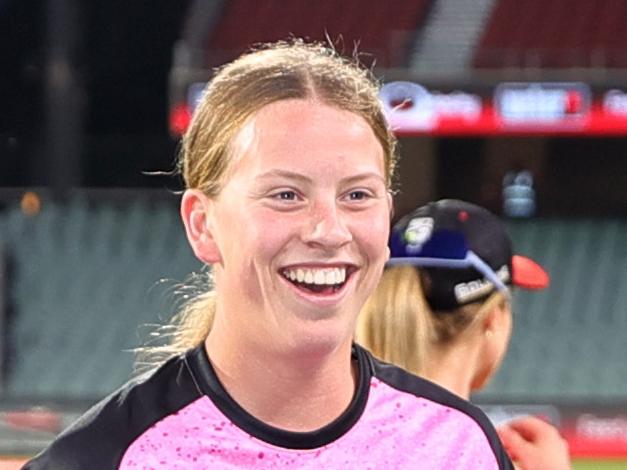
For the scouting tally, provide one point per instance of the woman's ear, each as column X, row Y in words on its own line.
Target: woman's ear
column 498, row 321
column 391, row 204
column 496, row 328
column 196, row 212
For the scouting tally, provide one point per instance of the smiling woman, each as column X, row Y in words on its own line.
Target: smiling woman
column 288, row 163
column 282, row 212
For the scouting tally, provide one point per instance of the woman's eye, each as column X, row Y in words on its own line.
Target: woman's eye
column 286, row 195
column 357, row 195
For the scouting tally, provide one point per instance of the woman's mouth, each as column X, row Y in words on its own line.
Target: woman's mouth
column 318, row 280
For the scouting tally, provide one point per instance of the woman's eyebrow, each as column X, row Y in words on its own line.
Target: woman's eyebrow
column 305, row 179
column 283, row 174
column 363, row 176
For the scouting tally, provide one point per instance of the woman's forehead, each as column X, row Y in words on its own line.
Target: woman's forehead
column 289, row 129
column 291, row 116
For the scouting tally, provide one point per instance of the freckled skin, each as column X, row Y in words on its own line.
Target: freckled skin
column 258, row 233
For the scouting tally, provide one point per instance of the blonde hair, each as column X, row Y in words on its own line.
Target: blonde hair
column 398, row 326
column 275, row 72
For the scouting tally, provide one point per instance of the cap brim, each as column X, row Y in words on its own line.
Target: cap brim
column 528, row 274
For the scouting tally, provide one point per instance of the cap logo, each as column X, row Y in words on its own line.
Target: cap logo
column 418, row 231
column 468, row 291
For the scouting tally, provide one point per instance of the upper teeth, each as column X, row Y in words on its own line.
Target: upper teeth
column 330, row 276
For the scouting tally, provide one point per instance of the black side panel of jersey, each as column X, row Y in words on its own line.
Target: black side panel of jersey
column 99, row 438
column 402, row 380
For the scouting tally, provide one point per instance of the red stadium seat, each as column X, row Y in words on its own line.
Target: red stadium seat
column 554, row 34
column 384, row 29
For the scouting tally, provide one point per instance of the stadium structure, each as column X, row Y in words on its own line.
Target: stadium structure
column 520, row 106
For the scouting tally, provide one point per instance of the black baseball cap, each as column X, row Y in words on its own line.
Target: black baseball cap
column 464, row 253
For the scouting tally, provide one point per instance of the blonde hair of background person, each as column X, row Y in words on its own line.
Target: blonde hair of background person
column 287, row 164
column 460, row 346
column 398, row 326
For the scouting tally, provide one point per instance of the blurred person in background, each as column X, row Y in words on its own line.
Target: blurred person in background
column 288, row 164
column 443, row 311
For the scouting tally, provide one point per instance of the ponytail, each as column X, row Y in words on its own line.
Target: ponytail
column 394, row 323
column 188, row 328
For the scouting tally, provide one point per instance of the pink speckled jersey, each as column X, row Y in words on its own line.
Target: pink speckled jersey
column 180, row 417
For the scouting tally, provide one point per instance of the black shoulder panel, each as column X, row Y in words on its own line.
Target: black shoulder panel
column 99, row 438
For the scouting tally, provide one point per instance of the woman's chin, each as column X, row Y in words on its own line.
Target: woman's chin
column 317, row 336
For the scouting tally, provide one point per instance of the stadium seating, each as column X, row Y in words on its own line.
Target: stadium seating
column 87, row 275
column 555, row 34
column 384, row 29
column 85, row 278
column 568, row 341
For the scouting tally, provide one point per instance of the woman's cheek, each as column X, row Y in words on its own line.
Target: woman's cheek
column 271, row 230
column 375, row 228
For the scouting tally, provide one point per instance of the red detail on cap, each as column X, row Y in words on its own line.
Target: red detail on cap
column 462, row 216
column 528, row 274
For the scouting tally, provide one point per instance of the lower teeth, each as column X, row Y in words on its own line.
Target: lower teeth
column 319, row 288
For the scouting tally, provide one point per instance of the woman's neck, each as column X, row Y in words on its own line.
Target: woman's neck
column 300, row 390
column 454, row 367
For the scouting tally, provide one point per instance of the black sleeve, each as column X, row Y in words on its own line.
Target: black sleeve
column 100, row 437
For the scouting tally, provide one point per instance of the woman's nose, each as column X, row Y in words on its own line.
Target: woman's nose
column 327, row 226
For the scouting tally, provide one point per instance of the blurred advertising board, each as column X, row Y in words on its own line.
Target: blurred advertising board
column 505, row 108
column 591, row 431
column 508, row 108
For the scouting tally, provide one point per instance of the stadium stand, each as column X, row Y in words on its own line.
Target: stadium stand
column 384, row 29
column 88, row 275
column 568, row 340
column 555, row 34
column 3, row 315
column 449, row 37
